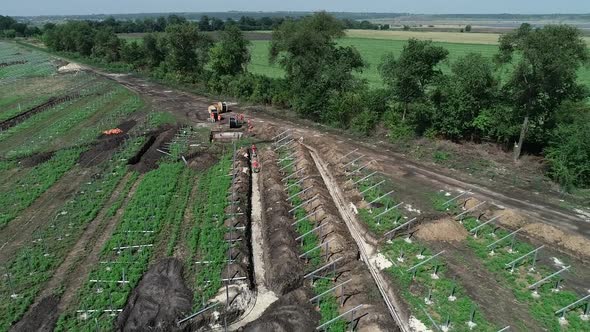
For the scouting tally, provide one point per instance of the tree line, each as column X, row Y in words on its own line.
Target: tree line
column 526, row 98
column 209, row 23
column 10, row 28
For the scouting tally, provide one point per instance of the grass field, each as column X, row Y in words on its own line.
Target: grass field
column 374, row 44
column 372, row 50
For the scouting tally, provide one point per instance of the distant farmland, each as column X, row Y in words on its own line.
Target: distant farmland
column 374, row 44
column 372, row 51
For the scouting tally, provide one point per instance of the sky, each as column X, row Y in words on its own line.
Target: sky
column 71, row 7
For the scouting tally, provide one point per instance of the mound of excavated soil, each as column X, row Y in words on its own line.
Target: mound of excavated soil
column 106, row 145
column 511, row 218
column 550, row 234
column 446, row 229
column 292, row 312
column 41, row 318
column 36, row 159
column 284, row 272
column 159, row 299
column 147, row 159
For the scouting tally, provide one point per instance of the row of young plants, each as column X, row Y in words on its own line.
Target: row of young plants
column 128, row 252
column 64, row 119
column 543, row 307
column 429, row 290
column 22, row 95
column 92, row 95
column 20, row 194
column 37, row 63
column 178, row 208
column 21, row 105
column 369, row 214
column 328, row 304
column 207, row 242
column 25, row 274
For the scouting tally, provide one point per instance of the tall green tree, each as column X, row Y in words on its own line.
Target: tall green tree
column 463, row 95
column 317, row 70
column 107, row 45
column 568, row 153
column 230, row 56
column 409, row 75
column 188, row 49
column 153, row 48
column 544, row 75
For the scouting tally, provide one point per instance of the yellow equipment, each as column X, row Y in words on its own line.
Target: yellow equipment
column 216, row 110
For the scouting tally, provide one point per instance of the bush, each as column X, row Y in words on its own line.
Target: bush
column 399, row 130
column 241, row 86
column 262, row 92
column 364, row 122
column 568, row 153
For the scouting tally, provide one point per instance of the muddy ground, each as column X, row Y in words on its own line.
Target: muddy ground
column 286, row 277
column 105, row 145
column 148, row 156
column 158, row 300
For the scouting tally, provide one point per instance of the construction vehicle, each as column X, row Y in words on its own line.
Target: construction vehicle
column 216, row 110
column 236, row 121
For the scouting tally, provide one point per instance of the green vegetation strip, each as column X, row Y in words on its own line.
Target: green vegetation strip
column 416, row 290
column 141, row 223
column 65, row 120
column 177, row 209
column 328, row 304
column 37, row 63
column 34, row 183
column 207, row 243
column 542, row 308
column 35, row 263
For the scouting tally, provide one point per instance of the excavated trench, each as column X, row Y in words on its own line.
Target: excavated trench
column 12, row 63
column 285, row 271
column 146, row 159
column 52, row 102
column 239, row 271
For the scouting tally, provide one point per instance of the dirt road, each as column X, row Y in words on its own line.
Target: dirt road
column 415, row 176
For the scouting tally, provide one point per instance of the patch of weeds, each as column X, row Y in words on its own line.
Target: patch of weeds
column 440, row 202
column 160, row 118
column 441, row 157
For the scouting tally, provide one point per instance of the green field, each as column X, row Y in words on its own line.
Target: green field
column 372, row 51
column 373, row 45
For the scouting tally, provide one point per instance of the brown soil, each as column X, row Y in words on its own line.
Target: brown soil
column 40, row 318
column 106, row 145
column 446, row 230
column 284, row 268
column 201, row 161
column 158, row 300
column 36, row 159
column 497, row 302
column 148, row 157
column 361, row 289
column 292, row 312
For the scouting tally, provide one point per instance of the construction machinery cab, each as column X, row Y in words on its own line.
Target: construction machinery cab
column 215, row 110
